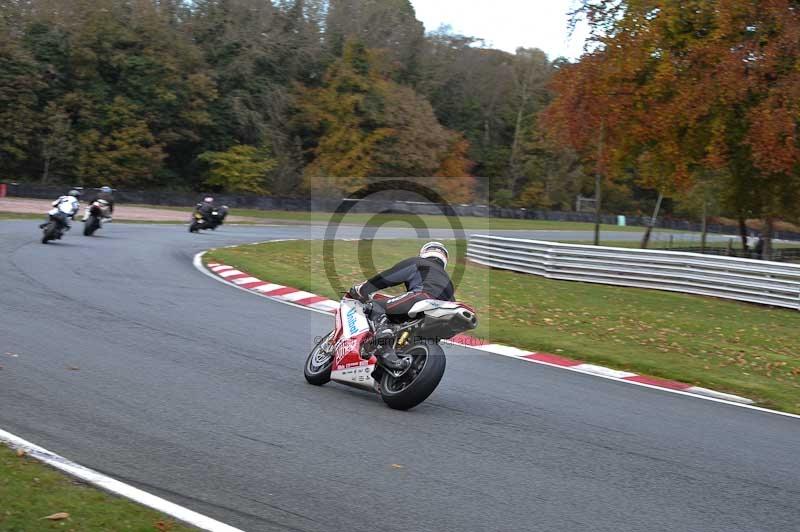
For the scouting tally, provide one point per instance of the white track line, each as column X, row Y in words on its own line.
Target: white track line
column 115, row 486
column 696, row 392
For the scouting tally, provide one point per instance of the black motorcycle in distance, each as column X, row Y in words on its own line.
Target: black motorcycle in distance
column 210, row 220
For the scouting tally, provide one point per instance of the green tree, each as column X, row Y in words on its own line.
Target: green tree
column 390, row 26
column 124, row 152
column 239, row 169
column 20, row 81
column 58, row 147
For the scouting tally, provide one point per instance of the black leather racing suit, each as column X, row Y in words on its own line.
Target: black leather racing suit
column 205, row 210
column 424, row 278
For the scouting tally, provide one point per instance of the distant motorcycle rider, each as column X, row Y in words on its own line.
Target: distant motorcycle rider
column 210, row 212
column 64, row 209
column 205, row 208
column 106, row 194
column 424, row 277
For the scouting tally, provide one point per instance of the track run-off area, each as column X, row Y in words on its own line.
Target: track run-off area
column 119, row 355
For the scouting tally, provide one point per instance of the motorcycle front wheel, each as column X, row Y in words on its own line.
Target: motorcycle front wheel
column 91, row 225
column 421, row 379
column 317, row 370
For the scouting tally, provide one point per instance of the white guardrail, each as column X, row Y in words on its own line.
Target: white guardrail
column 753, row 281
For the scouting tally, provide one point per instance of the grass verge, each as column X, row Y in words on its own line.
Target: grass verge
column 31, row 491
column 740, row 348
column 429, row 221
column 20, row 216
column 79, row 220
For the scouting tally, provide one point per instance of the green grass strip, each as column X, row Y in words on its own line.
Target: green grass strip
column 31, row 491
column 744, row 349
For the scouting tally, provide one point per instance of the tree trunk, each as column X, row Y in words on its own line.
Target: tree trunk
column 597, row 200
column 649, row 230
column 766, row 235
column 743, row 234
column 46, row 170
column 704, row 236
column 512, row 162
column 597, row 184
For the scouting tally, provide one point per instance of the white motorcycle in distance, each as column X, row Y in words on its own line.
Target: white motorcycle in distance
column 347, row 354
column 95, row 213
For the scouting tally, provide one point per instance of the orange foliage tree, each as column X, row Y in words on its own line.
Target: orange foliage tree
column 365, row 125
column 677, row 89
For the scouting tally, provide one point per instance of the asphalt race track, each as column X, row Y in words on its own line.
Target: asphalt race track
column 133, row 363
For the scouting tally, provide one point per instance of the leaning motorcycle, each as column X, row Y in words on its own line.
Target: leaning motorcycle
column 347, row 353
column 95, row 213
column 212, row 221
column 54, row 228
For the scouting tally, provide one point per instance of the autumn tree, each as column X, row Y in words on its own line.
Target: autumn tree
column 676, row 89
column 365, row 125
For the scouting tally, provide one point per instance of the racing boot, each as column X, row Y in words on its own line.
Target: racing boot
column 383, row 329
column 390, row 360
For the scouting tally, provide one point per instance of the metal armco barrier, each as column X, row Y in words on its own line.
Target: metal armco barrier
column 753, row 281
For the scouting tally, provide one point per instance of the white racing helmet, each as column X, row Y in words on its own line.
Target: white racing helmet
column 434, row 250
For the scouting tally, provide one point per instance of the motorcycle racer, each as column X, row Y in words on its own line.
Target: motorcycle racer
column 65, row 208
column 424, row 276
column 205, row 207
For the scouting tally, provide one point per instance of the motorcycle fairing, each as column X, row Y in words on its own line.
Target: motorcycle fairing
column 352, row 329
column 352, row 318
column 434, row 307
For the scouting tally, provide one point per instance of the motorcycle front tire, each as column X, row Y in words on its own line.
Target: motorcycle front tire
column 318, row 374
column 91, row 225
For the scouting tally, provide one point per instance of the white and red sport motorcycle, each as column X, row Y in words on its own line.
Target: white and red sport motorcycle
column 347, row 353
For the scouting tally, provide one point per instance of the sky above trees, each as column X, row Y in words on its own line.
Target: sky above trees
column 508, row 24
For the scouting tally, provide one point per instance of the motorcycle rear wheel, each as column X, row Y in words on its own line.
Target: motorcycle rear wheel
column 317, row 369
column 419, row 382
column 49, row 232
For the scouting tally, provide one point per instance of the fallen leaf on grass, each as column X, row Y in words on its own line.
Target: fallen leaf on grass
column 21, row 452
column 57, row 516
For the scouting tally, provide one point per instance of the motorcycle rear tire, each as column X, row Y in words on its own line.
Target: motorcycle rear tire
column 49, row 232
column 423, row 384
column 91, row 225
column 318, row 375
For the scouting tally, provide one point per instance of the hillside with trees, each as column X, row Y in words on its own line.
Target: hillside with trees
column 693, row 106
column 267, row 97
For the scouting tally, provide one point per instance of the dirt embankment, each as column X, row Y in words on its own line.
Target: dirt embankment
column 121, row 212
